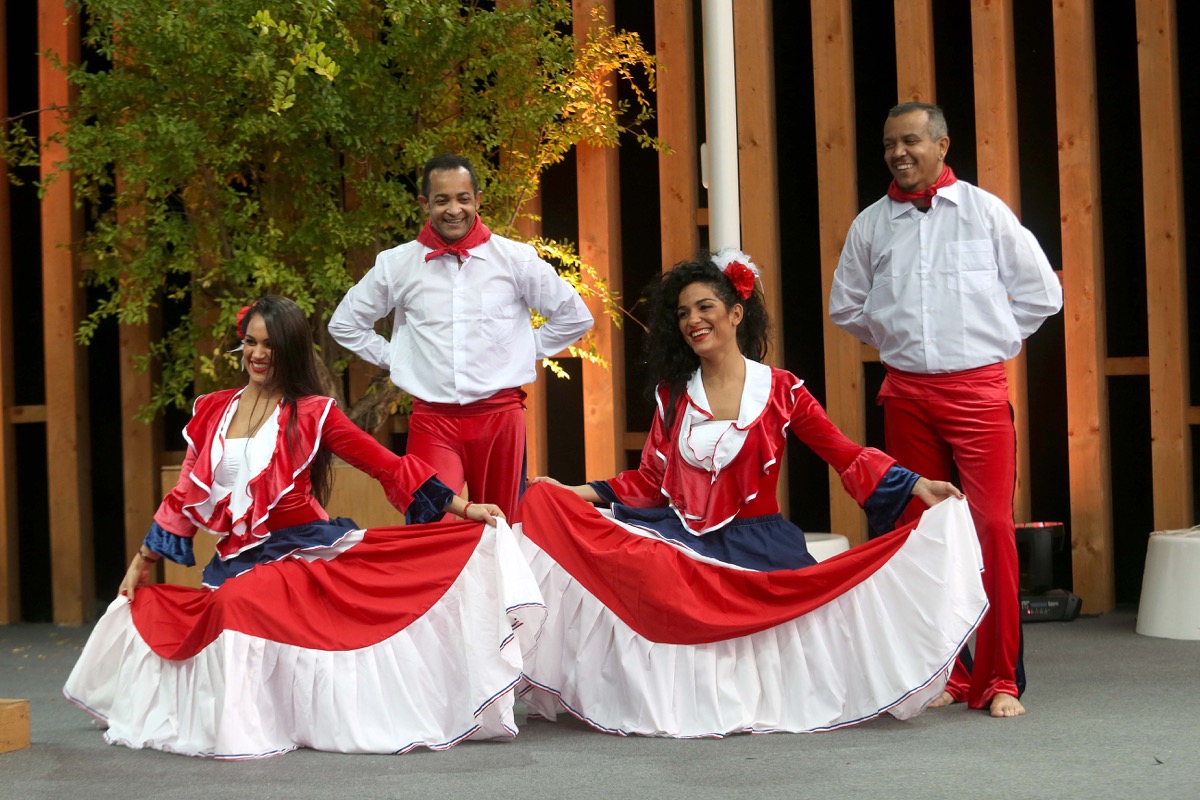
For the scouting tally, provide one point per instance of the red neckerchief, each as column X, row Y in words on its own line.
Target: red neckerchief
column 477, row 235
column 901, row 196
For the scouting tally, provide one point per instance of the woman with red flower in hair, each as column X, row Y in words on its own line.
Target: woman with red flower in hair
column 692, row 607
column 310, row 631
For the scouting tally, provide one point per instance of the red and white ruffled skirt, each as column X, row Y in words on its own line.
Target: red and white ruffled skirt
column 644, row 637
column 394, row 638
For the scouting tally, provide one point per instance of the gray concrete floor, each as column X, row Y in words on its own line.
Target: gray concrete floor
column 1111, row 714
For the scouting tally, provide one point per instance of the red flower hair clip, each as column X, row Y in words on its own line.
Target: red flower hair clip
column 740, row 270
column 241, row 318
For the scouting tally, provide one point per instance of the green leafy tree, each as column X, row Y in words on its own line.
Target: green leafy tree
column 229, row 149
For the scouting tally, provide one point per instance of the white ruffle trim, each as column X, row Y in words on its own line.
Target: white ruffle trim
column 444, row 679
column 883, row 646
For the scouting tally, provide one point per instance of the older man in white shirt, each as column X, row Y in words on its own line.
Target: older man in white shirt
column 462, row 341
column 943, row 279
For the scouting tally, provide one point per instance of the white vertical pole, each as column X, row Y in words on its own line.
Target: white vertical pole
column 720, row 74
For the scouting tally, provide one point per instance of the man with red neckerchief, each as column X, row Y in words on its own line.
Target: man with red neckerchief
column 462, row 342
column 941, row 277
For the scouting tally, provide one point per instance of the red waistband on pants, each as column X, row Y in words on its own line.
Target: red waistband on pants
column 988, row 383
column 503, row 400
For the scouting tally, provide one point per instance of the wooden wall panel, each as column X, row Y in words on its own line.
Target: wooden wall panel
column 833, row 80
column 598, row 179
column 10, row 577
column 1166, row 275
column 758, row 170
column 999, row 172
column 535, row 400
column 140, row 442
column 72, row 581
column 915, row 78
column 678, row 171
column 1089, row 467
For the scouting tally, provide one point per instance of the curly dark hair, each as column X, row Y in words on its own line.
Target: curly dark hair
column 293, row 372
column 669, row 359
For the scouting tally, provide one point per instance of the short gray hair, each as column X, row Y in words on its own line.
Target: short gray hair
column 937, row 120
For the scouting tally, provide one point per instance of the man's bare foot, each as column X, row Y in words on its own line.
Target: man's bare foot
column 944, row 699
column 1005, row 705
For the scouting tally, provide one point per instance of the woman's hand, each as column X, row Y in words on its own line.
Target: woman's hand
column 483, row 512
column 933, row 492
column 137, row 576
column 584, row 490
column 545, row 479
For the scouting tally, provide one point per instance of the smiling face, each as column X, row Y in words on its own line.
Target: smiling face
column 707, row 324
column 912, row 155
column 452, row 203
column 256, row 351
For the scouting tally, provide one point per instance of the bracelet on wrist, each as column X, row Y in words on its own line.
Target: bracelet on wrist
column 464, row 511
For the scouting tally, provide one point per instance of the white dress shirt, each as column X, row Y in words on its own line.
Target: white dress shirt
column 953, row 288
column 460, row 334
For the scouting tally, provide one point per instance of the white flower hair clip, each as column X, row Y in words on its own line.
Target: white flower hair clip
column 740, row 270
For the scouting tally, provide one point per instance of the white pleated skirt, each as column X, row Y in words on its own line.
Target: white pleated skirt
column 884, row 645
column 445, row 678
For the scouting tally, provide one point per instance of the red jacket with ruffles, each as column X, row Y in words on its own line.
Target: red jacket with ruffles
column 281, row 493
column 774, row 402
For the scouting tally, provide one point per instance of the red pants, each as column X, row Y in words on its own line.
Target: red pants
column 480, row 445
column 932, row 423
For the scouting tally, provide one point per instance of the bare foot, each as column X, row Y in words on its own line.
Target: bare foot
column 1005, row 705
column 944, row 699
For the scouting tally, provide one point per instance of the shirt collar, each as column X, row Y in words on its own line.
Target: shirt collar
column 949, row 193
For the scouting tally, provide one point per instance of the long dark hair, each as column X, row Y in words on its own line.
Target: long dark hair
column 669, row 359
column 293, row 372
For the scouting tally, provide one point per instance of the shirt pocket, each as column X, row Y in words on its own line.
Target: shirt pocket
column 498, row 314
column 973, row 266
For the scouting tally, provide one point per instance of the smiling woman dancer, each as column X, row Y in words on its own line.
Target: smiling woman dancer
column 693, row 608
column 311, row 632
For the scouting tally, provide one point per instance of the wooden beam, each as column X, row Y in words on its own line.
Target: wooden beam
column 24, row 414
column 679, row 170
column 1129, row 365
column 67, row 442
column 1166, row 265
column 833, row 81
column 529, row 224
column 140, row 441
column 10, row 563
column 598, row 181
column 758, row 172
column 1088, row 451
column 915, row 78
column 992, row 43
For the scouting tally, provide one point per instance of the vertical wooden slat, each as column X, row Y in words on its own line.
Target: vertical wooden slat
column 992, row 44
column 72, row 581
column 1166, row 276
column 678, row 171
column 758, row 169
column 597, row 174
column 1088, row 451
column 139, row 440
column 914, row 51
column 529, row 224
column 10, row 591
column 833, row 79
